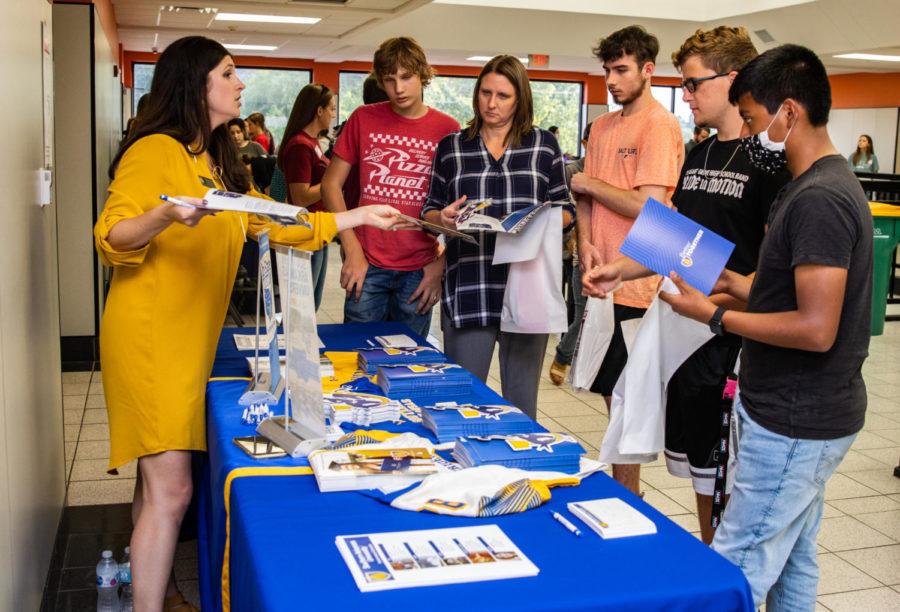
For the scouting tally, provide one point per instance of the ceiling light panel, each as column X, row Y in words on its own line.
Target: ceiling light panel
column 247, row 17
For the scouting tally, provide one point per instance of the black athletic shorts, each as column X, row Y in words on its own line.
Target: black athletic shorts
column 617, row 354
column 694, row 403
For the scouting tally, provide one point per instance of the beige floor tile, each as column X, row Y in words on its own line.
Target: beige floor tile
column 829, row 511
column 191, row 591
column 95, row 415
column 550, row 425
column 856, row 461
column 882, row 599
column 94, row 431
column 688, row 522
column 892, row 434
column 567, row 409
column 79, row 388
column 887, row 391
column 70, row 450
column 881, row 480
column 836, row 575
column 95, row 469
column 840, row 486
column 72, row 417
column 866, row 440
column 861, row 505
column 594, row 438
column 555, row 395
column 847, row 533
column 93, row 449
column 887, row 522
column 882, row 563
column 659, row 478
column 95, row 401
column 889, row 456
column 593, row 422
column 70, row 431
column 96, row 388
column 73, row 402
column 76, row 377
column 876, row 421
column 664, row 503
column 92, row 492
column 684, row 497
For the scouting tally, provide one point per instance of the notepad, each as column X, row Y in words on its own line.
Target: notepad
column 612, row 518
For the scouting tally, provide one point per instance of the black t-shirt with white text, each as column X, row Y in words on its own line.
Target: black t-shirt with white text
column 820, row 218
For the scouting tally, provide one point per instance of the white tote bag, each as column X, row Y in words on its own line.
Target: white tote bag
column 594, row 336
column 533, row 301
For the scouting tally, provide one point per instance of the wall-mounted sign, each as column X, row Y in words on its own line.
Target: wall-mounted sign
column 538, row 61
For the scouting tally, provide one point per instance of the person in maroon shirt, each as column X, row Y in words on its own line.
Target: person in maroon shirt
column 303, row 162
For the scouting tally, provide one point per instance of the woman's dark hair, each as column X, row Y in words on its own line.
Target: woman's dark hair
column 511, row 68
column 240, row 123
column 859, row 153
column 260, row 120
column 176, row 107
column 310, row 99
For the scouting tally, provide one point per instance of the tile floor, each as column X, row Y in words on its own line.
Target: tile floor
column 859, row 544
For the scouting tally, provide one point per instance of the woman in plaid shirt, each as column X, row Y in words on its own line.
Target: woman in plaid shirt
column 502, row 157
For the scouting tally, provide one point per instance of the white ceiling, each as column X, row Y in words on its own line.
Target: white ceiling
column 452, row 30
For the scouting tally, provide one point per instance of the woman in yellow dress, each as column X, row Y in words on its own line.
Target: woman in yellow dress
column 174, row 269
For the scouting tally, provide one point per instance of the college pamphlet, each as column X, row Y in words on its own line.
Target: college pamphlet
column 401, row 559
column 370, row 468
column 286, row 214
column 470, row 220
column 664, row 240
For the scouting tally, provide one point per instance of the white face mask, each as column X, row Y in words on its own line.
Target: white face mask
column 765, row 154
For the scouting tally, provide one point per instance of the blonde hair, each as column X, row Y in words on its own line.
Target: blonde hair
column 721, row 49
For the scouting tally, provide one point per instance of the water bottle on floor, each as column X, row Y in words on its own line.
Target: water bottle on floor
column 126, row 598
column 107, row 583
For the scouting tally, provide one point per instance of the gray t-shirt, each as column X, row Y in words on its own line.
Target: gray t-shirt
column 822, row 217
column 251, row 149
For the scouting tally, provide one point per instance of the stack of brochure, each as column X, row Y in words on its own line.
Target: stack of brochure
column 528, row 451
column 389, row 469
column 612, row 518
column 450, row 421
column 439, row 378
column 343, row 406
column 370, row 358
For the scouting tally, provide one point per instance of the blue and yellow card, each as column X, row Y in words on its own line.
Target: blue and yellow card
column 663, row 240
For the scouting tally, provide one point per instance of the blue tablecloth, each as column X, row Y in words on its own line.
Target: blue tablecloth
column 271, row 530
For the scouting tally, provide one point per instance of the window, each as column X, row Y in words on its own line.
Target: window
column 670, row 98
column 350, row 93
column 270, row 91
column 452, row 95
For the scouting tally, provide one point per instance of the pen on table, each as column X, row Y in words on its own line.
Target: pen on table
column 176, row 201
column 565, row 523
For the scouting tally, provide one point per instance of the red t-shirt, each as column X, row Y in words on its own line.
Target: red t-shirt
column 304, row 162
column 263, row 141
column 394, row 155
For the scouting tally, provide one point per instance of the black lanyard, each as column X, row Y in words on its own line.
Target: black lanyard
column 721, row 453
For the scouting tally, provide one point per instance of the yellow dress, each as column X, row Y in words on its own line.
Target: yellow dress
column 168, row 300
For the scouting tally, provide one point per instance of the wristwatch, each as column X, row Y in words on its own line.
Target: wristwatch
column 715, row 324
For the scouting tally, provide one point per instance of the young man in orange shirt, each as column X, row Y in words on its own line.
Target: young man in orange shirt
column 632, row 154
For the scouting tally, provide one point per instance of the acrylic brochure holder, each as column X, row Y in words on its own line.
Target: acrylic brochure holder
column 301, row 429
column 265, row 390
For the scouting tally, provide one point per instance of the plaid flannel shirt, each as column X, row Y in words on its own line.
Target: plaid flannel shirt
column 532, row 173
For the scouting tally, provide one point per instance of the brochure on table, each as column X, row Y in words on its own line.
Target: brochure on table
column 663, row 240
column 400, row 559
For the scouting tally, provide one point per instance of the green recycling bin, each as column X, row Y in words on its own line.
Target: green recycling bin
column 887, row 232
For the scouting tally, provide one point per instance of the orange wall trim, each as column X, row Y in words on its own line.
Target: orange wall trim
column 865, row 90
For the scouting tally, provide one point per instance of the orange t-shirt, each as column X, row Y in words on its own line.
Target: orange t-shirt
column 627, row 152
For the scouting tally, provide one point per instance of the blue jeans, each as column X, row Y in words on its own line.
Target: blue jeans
column 565, row 350
column 319, row 264
column 770, row 525
column 383, row 298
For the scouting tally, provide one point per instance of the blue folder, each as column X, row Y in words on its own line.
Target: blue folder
column 663, row 240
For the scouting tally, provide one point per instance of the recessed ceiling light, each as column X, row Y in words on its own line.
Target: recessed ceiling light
column 251, row 47
column 869, row 56
column 265, row 18
column 485, row 58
